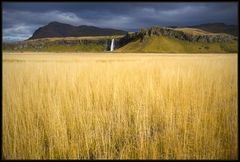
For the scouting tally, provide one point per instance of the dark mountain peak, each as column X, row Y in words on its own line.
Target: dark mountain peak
column 85, row 26
column 54, row 22
column 57, row 29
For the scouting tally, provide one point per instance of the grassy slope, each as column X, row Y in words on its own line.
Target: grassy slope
column 165, row 44
column 196, row 31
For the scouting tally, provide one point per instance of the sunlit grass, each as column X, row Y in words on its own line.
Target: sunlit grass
column 164, row 44
column 119, row 106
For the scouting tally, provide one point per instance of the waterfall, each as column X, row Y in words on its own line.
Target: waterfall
column 112, row 45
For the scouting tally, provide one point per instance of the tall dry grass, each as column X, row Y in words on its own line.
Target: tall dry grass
column 120, row 107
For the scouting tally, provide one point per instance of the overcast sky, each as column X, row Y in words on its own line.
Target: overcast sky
column 20, row 20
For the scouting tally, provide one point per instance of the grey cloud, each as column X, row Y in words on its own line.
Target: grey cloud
column 21, row 19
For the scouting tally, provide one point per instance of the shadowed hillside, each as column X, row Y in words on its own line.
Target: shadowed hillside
column 218, row 28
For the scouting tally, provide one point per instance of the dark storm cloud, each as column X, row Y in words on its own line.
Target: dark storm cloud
column 20, row 20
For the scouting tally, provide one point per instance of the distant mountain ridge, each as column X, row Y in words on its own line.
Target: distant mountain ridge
column 153, row 39
column 57, row 29
column 171, row 39
column 218, row 28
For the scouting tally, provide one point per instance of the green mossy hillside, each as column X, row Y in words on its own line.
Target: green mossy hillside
column 170, row 45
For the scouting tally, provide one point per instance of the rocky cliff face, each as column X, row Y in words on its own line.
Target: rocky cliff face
column 172, row 33
column 43, row 44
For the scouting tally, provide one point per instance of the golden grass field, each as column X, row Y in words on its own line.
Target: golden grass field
column 119, row 106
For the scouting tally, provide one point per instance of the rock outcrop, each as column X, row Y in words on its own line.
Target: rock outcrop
column 172, row 33
column 45, row 43
column 176, row 34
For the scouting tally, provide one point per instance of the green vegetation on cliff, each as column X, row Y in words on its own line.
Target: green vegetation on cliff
column 65, row 44
column 171, row 45
column 64, row 48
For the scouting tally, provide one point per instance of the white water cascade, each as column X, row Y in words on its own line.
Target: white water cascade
column 112, row 45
